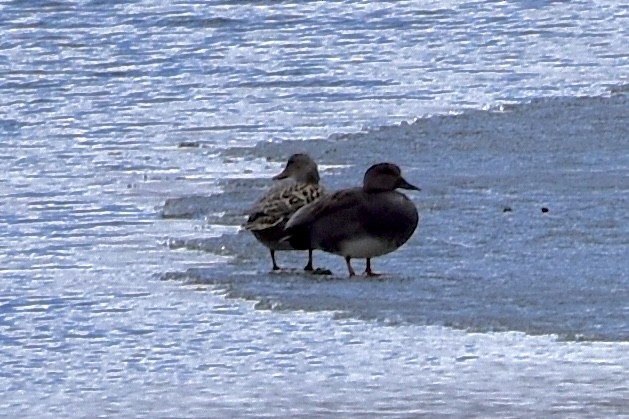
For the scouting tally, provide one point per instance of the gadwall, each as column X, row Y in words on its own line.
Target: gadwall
column 269, row 215
column 358, row 222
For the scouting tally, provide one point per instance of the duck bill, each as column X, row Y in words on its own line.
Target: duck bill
column 282, row 175
column 405, row 185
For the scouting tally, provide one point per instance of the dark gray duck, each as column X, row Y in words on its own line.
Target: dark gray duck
column 358, row 222
column 268, row 217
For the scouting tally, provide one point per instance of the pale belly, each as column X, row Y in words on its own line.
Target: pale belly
column 365, row 247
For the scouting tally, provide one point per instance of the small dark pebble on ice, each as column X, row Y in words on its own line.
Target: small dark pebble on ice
column 544, row 209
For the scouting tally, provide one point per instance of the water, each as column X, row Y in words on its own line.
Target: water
column 108, row 308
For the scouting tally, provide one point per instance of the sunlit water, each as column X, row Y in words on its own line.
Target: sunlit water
column 107, row 308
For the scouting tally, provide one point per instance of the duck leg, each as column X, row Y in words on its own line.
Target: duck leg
column 349, row 266
column 368, row 270
column 309, row 267
column 275, row 267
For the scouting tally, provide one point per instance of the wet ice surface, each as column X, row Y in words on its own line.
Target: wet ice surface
column 485, row 256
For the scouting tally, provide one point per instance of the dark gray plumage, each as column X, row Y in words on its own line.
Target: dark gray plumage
column 269, row 215
column 359, row 222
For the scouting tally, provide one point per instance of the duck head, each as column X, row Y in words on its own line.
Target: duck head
column 385, row 177
column 301, row 168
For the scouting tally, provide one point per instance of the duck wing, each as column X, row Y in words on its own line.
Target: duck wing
column 329, row 205
column 277, row 206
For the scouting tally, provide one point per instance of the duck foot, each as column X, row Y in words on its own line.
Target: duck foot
column 275, row 266
column 308, row 266
column 368, row 271
column 348, row 261
column 372, row 274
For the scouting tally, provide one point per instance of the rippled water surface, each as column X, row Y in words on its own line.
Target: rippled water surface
column 134, row 135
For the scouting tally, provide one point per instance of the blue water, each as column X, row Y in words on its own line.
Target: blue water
column 126, row 291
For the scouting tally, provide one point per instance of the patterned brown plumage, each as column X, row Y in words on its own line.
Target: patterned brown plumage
column 269, row 215
column 277, row 207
